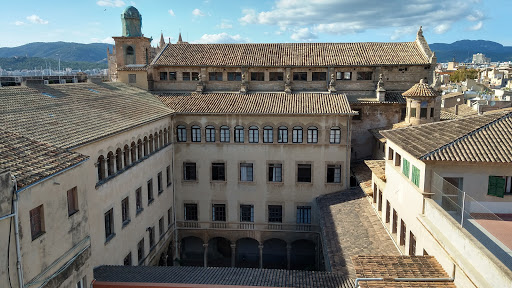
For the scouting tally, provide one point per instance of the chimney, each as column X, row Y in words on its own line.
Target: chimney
column 456, row 109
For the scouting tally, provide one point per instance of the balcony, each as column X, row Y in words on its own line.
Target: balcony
column 218, row 225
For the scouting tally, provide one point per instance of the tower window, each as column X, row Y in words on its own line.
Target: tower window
column 129, row 50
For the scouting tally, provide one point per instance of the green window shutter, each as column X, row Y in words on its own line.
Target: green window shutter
column 405, row 168
column 415, row 176
column 491, row 189
column 500, row 187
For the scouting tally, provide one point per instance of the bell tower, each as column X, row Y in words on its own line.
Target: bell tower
column 423, row 104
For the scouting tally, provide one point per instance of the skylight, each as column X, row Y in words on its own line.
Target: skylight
column 92, row 90
column 48, row 94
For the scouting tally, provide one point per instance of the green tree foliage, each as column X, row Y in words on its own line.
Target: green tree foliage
column 463, row 74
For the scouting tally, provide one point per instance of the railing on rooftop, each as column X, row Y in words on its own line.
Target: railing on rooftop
column 220, row 225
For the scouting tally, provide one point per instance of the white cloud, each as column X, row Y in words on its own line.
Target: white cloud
column 220, row 38
column 225, row 24
column 36, row 19
column 111, row 3
column 19, row 23
column 303, row 34
column 171, row 12
column 197, row 12
column 107, row 40
column 477, row 26
column 340, row 17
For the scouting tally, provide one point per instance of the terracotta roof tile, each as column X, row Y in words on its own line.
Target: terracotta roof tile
column 30, row 160
column 292, row 54
column 258, row 103
column 391, row 97
column 67, row 115
column 421, row 89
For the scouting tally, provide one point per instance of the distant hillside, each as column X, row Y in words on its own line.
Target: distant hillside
column 94, row 52
column 31, row 63
column 463, row 50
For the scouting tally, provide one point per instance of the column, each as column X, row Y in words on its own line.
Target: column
column 288, row 255
column 233, row 254
column 205, row 255
column 261, row 255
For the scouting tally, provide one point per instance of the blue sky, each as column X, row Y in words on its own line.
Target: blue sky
column 225, row 21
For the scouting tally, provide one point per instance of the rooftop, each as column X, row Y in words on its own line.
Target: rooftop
column 481, row 138
column 421, row 89
column 292, row 54
column 221, row 276
column 257, row 103
column 391, row 97
column 68, row 115
column 31, row 161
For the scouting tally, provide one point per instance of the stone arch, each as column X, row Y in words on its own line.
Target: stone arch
column 130, row 55
column 219, row 252
column 303, row 255
column 119, row 160
column 247, row 253
column 101, row 167
column 274, row 254
column 110, row 164
column 192, row 251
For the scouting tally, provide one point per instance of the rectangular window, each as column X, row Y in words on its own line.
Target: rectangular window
column 37, row 222
column 297, row 135
column 172, row 76
column 304, row 173
column 282, row 135
column 163, row 75
column 224, row 134
column 275, row 213
column 431, row 112
column 196, row 134
column 359, row 115
column 412, row 244
column 390, row 153
column 190, row 212
column 335, row 136
column 388, row 211
column 403, row 232
column 497, row 186
column 275, row 172
column 257, row 76
column 138, row 200
column 423, row 112
column 254, row 133
column 150, row 190
column 169, row 217
column 413, row 112
column 125, row 210
column 169, row 176
column 186, row 76
column 218, row 172
column 239, row 134
column 406, row 167
column 300, row 76
column 210, row 134
column 275, row 76
column 140, row 251
column 347, row 76
column 234, row 76
column 379, row 207
column 151, row 231
column 215, row 76
column 246, row 213
column 189, row 171
column 312, row 135
column 333, row 173
column 161, row 227
column 109, row 224
column 398, row 159
column 319, row 76
column 219, row 212
column 268, row 133
column 246, row 172
column 181, row 132
column 159, row 183
column 415, row 178
column 195, row 76
column 127, row 261
column 81, row 283
column 395, row 222
column 132, row 78
column 364, row 75
column 303, row 214
column 72, row 201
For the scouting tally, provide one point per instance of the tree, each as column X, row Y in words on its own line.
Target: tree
column 463, row 74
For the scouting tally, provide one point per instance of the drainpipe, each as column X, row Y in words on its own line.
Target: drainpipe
column 356, row 284
column 176, row 248
column 17, row 233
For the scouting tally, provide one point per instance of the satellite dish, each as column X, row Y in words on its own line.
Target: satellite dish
column 458, row 99
column 492, row 103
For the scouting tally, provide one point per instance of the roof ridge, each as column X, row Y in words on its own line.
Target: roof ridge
column 473, row 132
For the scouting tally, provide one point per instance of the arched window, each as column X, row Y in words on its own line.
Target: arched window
column 165, row 136
column 133, row 152
column 160, row 139
column 181, row 133
column 119, row 160
column 312, row 134
column 196, row 133
column 101, row 168
column 253, row 134
column 110, row 163
column 282, row 135
column 210, row 133
column 268, row 134
column 224, row 133
column 239, row 134
column 297, row 134
column 146, row 151
column 150, row 143
column 335, row 136
column 139, row 149
column 157, row 142
column 126, row 154
column 129, row 50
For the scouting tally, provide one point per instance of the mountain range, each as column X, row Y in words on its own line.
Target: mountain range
column 39, row 54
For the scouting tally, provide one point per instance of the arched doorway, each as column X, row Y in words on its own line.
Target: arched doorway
column 303, row 255
column 274, row 254
column 219, row 252
column 170, row 255
column 192, row 251
column 247, row 253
